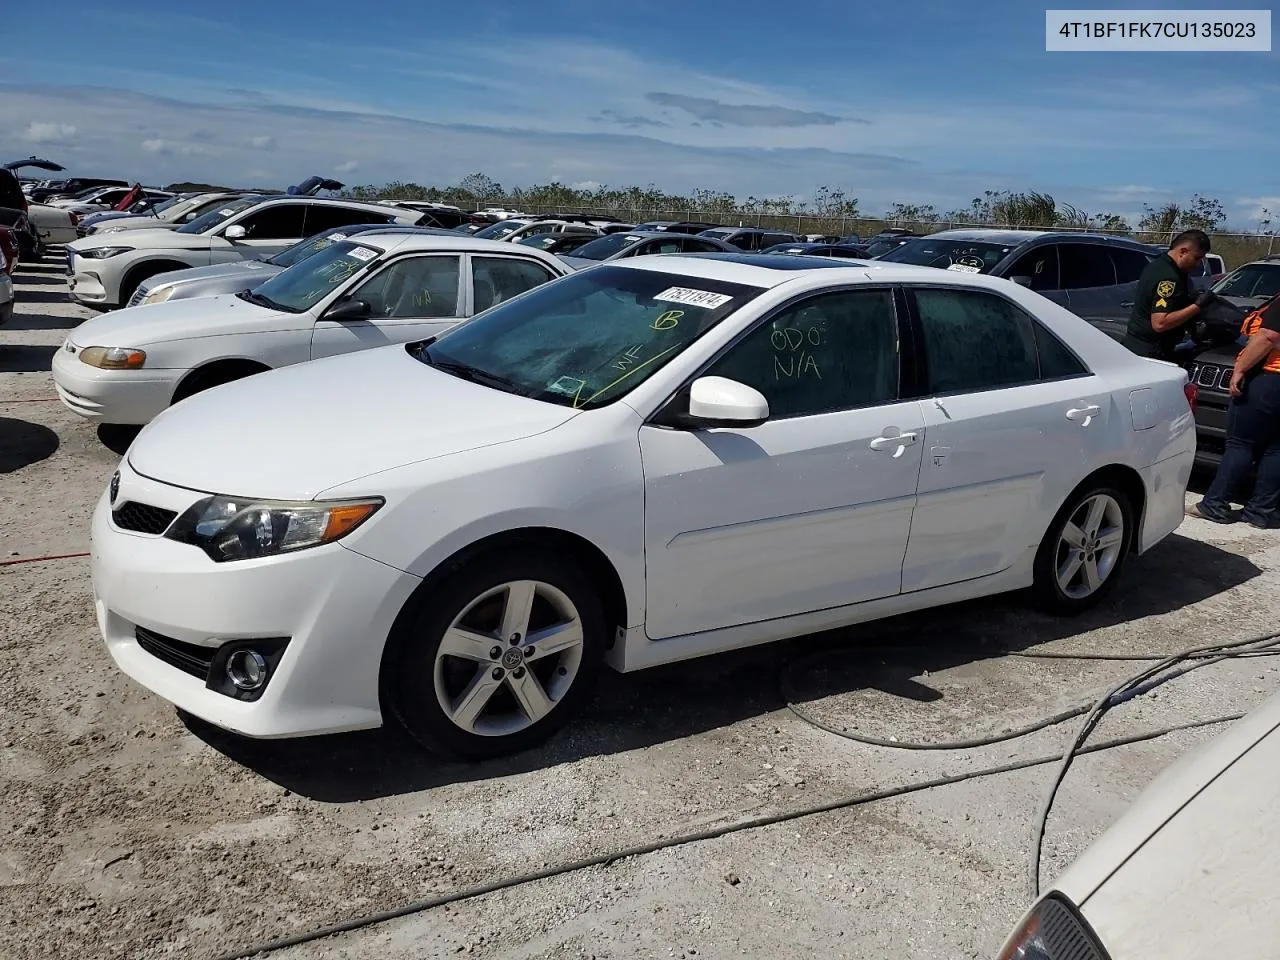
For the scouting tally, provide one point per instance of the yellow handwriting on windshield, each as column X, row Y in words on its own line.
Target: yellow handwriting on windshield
column 668, row 320
column 634, row 370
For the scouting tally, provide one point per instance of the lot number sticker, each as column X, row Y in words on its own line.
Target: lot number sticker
column 693, row 298
column 964, row 268
column 362, row 253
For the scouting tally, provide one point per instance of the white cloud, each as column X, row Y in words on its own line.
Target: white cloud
column 38, row 132
column 586, row 185
column 348, row 167
column 169, row 147
column 263, row 143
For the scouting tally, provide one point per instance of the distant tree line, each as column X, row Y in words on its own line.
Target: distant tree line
column 1030, row 209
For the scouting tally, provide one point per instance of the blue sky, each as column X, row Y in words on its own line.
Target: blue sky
column 920, row 102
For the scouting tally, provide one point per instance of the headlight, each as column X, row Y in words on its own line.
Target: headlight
column 238, row 528
column 102, row 253
column 159, row 295
column 113, row 358
column 1054, row 929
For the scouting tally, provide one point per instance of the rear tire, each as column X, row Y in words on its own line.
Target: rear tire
column 454, row 697
column 1084, row 550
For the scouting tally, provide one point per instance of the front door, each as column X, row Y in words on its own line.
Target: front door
column 269, row 230
column 1011, row 418
column 410, row 298
column 807, row 511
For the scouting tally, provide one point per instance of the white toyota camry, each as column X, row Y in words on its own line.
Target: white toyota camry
column 364, row 291
column 635, row 464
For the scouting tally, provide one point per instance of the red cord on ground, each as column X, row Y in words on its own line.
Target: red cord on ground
column 59, row 556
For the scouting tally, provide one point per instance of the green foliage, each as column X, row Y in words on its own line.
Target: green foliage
column 827, row 210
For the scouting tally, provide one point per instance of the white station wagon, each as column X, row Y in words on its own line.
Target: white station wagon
column 638, row 463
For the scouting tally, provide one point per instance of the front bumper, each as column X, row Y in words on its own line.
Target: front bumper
column 112, row 396
column 336, row 608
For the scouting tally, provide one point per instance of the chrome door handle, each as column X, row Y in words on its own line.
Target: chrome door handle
column 1083, row 413
column 1126, row 303
column 901, row 442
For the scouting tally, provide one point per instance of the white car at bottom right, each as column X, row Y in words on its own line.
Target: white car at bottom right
column 1188, row 872
column 642, row 462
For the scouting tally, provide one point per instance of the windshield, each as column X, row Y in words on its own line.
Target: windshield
column 545, row 241
column 966, row 256
column 500, row 230
column 1254, row 280
column 304, row 285
column 587, row 339
column 881, row 247
column 605, row 247
column 300, row 251
column 219, row 214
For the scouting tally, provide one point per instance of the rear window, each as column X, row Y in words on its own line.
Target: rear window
column 1252, row 280
column 964, row 256
column 11, row 194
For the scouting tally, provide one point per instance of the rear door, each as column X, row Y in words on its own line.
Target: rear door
column 496, row 279
column 1092, row 284
column 1012, row 417
column 410, row 298
column 324, row 216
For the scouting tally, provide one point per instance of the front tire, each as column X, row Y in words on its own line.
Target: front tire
column 1084, row 550
column 498, row 656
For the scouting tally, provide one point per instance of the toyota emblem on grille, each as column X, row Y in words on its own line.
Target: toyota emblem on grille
column 114, row 489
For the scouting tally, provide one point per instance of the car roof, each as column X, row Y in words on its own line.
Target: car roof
column 770, row 270
column 418, row 239
column 1015, row 237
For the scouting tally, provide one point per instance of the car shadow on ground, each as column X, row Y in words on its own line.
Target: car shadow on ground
column 23, row 443
column 24, row 358
column 41, row 321
column 117, row 437
column 39, row 279
column 42, row 296
column 634, row 711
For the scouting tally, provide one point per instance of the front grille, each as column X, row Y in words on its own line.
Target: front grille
column 1208, row 375
column 142, row 517
column 137, row 297
column 186, row 657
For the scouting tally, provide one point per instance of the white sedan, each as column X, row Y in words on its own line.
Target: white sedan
column 1188, row 872
column 365, row 291
column 638, row 463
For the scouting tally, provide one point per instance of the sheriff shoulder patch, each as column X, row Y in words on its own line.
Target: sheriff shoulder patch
column 1165, row 288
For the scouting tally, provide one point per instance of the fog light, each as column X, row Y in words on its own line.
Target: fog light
column 247, row 669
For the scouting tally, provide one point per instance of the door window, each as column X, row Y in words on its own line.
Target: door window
column 279, row 221
column 660, row 246
column 1041, row 265
column 691, row 245
column 495, row 279
column 976, row 341
column 744, row 241
column 1086, row 265
column 1129, row 265
column 417, row 287
column 831, row 352
column 323, row 216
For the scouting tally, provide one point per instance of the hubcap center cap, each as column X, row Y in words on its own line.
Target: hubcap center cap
column 512, row 658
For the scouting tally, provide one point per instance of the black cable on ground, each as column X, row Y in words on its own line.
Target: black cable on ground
column 1134, row 686
column 710, row 833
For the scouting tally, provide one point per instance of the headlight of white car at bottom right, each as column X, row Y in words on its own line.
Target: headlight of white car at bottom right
column 1054, row 930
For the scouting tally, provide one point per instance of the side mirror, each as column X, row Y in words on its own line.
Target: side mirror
column 348, row 310
column 236, row 232
column 720, row 402
column 1021, row 281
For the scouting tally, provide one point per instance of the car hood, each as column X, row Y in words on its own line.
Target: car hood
column 180, row 320
column 132, row 222
column 145, row 240
column 254, row 271
column 292, row 433
column 1191, row 859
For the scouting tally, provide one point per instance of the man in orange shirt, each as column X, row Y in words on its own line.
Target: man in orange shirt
column 1253, row 426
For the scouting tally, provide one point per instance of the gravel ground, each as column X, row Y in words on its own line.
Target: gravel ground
column 134, row 834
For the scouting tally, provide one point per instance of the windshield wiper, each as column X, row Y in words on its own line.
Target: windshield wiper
column 465, row 371
column 261, row 301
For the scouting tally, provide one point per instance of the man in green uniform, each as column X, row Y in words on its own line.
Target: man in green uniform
column 1164, row 309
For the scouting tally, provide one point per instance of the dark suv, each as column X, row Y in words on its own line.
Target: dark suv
column 750, row 238
column 1092, row 275
column 1243, row 289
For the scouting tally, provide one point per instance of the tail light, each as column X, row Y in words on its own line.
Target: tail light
column 1192, row 393
column 75, row 217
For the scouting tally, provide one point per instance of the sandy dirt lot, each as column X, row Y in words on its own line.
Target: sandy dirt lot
column 129, row 833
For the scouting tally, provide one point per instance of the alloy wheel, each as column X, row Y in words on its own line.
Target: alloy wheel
column 508, row 658
column 1089, row 546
